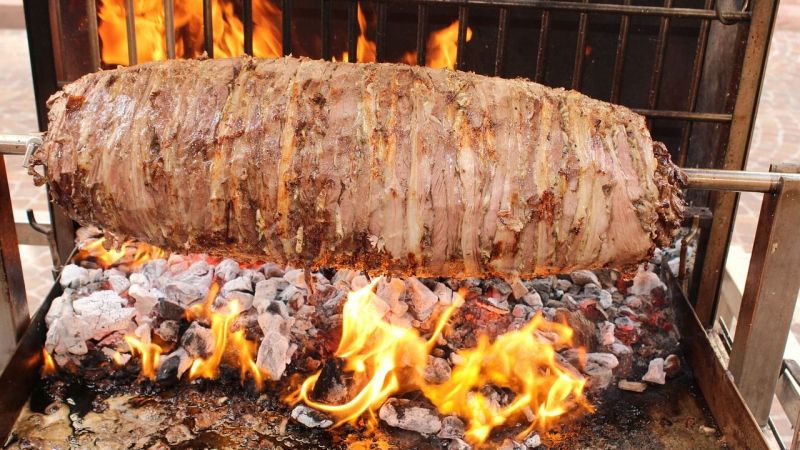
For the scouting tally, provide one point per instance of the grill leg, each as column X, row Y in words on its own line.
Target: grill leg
column 769, row 298
column 13, row 303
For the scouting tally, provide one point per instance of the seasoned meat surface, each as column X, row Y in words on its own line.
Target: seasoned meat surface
column 384, row 167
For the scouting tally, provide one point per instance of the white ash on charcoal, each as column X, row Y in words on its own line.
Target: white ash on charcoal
column 311, row 418
column 410, row 415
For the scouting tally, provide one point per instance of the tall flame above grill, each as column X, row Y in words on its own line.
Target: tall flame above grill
column 228, row 32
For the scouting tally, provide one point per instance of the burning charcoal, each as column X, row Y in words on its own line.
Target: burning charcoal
column 607, row 333
column 521, row 311
column 330, row 387
column 296, row 277
column 452, row 428
column 604, row 299
column 140, row 279
column 292, row 295
column 392, row 292
column 563, row 285
column 170, row 309
column 423, row 300
column 591, row 290
column 518, row 289
column 178, row 433
column 606, row 360
column 118, row 283
column 632, row 386
column 73, row 276
column 633, row 301
column 153, row 269
column 227, row 270
column 173, row 366
column 533, row 299
column 645, row 282
column 311, row 418
column 624, row 355
column 344, row 277
column 272, row 270
column 582, row 327
column 570, row 302
column 410, row 415
column 198, row 341
column 494, row 305
column 443, row 293
column 592, row 310
column 168, row 330
column 498, row 288
column 655, row 372
column 274, row 354
column 184, row 294
column 61, row 306
column 359, row 282
column 600, row 377
column 458, row 444
column 608, row 277
column 582, row 277
column 67, row 335
column 437, row 371
column 189, row 286
column 544, row 286
column 672, row 365
column 266, row 292
column 244, row 299
column 242, row 284
column 102, row 313
column 532, row 441
column 145, row 299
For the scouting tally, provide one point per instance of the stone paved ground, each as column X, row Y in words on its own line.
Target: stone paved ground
column 776, row 138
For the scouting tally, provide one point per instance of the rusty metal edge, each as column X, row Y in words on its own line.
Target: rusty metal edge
column 733, row 418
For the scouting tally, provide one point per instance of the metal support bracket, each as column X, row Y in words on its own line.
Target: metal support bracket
column 769, row 298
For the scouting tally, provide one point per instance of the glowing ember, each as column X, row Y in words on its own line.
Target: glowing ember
column 386, row 359
column 134, row 255
column 48, row 365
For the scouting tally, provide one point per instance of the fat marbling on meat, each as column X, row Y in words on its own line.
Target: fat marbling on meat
column 384, row 167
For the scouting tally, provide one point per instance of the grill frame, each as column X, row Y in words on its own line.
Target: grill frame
column 732, row 123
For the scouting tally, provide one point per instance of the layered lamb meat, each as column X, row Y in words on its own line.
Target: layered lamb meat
column 383, row 167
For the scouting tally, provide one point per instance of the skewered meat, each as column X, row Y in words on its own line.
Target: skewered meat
column 386, row 167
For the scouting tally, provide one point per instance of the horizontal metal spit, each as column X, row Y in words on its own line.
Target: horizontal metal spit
column 708, row 179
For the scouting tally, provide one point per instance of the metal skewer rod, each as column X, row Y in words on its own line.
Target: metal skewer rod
column 736, row 180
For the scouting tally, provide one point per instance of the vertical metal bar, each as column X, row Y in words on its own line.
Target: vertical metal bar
column 724, row 203
column 658, row 64
column 325, row 24
column 130, row 30
column 502, row 36
column 463, row 18
column 94, row 36
column 247, row 18
column 422, row 34
column 541, row 52
column 697, row 73
column 352, row 31
column 770, row 293
column 286, row 27
column 14, row 316
column 169, row 26
column 380, row 34
column 619, row 59
column 577, row 72
column 208, row 28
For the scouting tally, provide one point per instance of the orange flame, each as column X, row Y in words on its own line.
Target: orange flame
column 134, row 255
column 442, row 48
column 377, row 351
column 48, row 365
column 150, row 355
column 228, row 30
column 366, row 50
column 389, row 359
